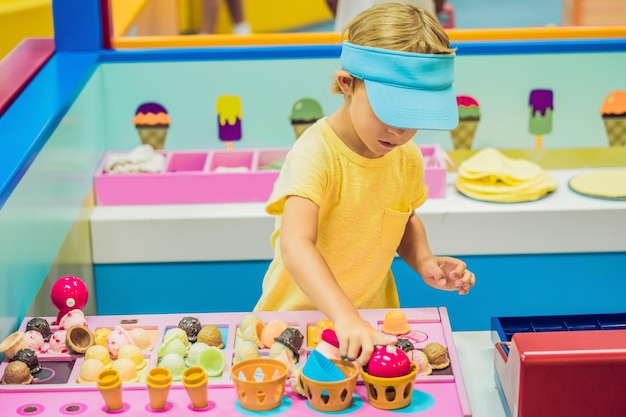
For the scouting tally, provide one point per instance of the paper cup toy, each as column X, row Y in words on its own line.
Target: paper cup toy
column 152, row 123
column 195, row 382
column 159, row 381
column 110, row 386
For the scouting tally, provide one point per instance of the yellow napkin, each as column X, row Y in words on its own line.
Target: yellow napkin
column 489, row 175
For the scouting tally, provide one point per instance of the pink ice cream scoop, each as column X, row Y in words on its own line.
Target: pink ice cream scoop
column 57, row 342
column 389, row 362
column 116, row 339
column 73, row 318
column 34, row 341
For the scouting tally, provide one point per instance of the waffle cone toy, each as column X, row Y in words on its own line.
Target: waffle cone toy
column 463, row 134
column 152, row 123
column 469, row 116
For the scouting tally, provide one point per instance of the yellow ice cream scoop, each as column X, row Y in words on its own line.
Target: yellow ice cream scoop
column 89, row 371
column 127, row 369
column 99, row 353
column 133, row 353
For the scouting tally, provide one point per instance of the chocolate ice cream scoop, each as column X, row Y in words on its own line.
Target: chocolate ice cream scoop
column 293, row 339
column 16, row 373
column 405, row 344
column 29, row 357
column 40, row 325
column 191, row 326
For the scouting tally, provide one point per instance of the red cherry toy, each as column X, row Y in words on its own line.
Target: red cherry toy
column 389, row 362
column 68, row 293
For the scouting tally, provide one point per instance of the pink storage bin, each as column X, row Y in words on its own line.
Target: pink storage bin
column 221, row 176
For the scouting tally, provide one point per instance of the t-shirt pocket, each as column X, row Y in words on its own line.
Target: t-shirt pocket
column 394, row 223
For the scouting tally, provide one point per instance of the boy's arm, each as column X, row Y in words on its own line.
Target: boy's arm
column 310, row 271
column 441, row 272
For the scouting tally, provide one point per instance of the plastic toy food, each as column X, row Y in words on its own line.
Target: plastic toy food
column 213, row 361
column 127, row 369
column 421, row 360
column 40, row 325
column 246, row 350
column 191, row 326
column 175, row 364
column 152, row 123
column 251, row 331
column 178, row 333
column 133, row 353
column 100, row 336
column 540, row 114
column 29, row 357
column 293, row 339
column 395, row 323
column 613, row 113
column 211, row 335
column 141, row 338
column 116, row 339
column 469, row 116
column 321, row 325
column 13, row 342
column 437, row 355
column 58, row 342
column 172, row 345
column 99, row 353
column 229, row 117
column 34, row 340
column 389, row 362
column 272, row 330
column 79, row 339
column 68, row 293
column 193, row 354
column 89, row 371
column 304, row 113
column 73, row 318
column 16, row 373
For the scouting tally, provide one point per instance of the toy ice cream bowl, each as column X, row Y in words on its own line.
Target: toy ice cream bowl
column 259, row 383
column 389, row 378
column 329, row 394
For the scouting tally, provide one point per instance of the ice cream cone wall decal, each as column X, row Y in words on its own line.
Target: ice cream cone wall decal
column 152, row 122
column 229, row 115
column 613, row 113
column 541, row 106
column 304, row 113
column 469, row 116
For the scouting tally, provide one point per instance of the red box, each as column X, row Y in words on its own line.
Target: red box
column 573, row 374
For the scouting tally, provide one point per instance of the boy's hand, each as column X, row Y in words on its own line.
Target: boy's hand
column 357, row 339
column 446, row 273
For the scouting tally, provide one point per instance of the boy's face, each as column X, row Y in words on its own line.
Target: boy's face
column 375, row 135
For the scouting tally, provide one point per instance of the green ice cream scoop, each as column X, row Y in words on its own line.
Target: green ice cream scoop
column 306, row 110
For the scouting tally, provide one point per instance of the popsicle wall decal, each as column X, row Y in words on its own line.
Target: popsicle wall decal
column 229, row 115
column 541, row 106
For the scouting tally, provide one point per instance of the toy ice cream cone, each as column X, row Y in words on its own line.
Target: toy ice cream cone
column 159, row 381
column 469, row 116
column 304, row 113
column 13, row 343
column 195, row 382
column 110, row 385
column 613, row 113
column 152, row 123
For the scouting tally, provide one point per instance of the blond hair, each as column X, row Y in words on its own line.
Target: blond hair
column 398, row 27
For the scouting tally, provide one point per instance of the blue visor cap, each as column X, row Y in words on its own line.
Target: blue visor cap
column 405, row 89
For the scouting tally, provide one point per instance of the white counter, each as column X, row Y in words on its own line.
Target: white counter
column 563, row 222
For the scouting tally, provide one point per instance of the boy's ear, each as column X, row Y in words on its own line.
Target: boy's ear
column 344, row 81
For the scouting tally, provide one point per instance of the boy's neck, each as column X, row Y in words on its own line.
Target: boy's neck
column 341, row 124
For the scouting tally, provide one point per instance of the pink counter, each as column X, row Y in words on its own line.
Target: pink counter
column 441, row 394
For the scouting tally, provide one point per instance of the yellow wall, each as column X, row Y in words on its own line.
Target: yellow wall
column 21, row 19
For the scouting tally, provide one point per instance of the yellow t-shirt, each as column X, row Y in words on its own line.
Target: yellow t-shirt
column 364, row 205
